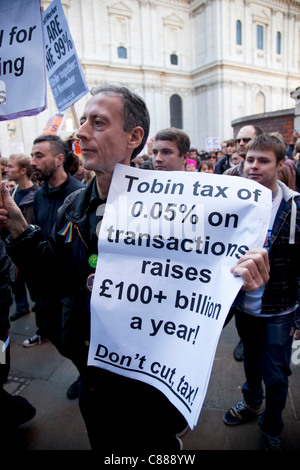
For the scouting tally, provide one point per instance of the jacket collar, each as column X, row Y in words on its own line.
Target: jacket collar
column 87, row 201
column 288, row 205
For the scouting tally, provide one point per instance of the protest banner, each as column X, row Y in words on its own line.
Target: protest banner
column 54, row 124
column 162, row 287
column 212, row 143
column 64, row 70
column 23, row 90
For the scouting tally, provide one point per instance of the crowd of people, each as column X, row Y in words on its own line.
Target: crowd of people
column 56, row 195
column 232, row 152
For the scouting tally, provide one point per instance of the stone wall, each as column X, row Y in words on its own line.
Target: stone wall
column 277, row 121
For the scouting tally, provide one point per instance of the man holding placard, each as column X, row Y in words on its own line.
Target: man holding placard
column 120, row 413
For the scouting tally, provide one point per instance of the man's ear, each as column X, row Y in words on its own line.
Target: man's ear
column 60, row 159
column 280, row 165
column 185, row 157
column 135, row 137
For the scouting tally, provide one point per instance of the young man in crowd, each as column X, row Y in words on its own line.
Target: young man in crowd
column 19, row 170
column 268, row 318
column 170, row 150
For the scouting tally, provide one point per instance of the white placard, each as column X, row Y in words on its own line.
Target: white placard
column 163, row 287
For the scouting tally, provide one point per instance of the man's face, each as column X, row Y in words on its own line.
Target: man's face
column 13, row 171
column 236, row 158
column 103, row 141
column 43, row 162
column 166, row 156
column 230, row 149
column 244, row 136
column 224, row 148
column 3, row 168
column 261, row 166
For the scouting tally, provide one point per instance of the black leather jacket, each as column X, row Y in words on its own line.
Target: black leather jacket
column 61, row 266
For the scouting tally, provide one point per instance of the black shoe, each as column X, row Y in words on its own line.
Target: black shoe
column 16, row 316
column 238, row 352
column 73, row 390
column 241, row 413
column 272, row 442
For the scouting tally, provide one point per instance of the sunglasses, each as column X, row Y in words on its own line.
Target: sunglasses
column 244, row 139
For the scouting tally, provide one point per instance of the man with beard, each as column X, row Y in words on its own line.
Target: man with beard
column 49, row 153
column 49, row 157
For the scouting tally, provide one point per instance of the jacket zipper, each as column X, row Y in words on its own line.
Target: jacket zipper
column 78, row 231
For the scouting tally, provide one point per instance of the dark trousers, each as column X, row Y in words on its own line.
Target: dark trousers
column 267, row 353
column 20, row 291
column 40, row 319
column 123, row 414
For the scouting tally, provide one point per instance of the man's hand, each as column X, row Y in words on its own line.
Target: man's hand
column 11, row 216
column 254, row 268
column 295, row 332
column 295, row 137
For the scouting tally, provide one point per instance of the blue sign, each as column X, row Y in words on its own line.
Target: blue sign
column 64, row 70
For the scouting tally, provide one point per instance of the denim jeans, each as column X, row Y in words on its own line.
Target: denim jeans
column 267, row 353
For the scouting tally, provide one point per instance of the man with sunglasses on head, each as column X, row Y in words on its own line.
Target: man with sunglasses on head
column 243, row 137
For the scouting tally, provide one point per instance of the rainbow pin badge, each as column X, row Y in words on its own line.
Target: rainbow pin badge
column 67, row 232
